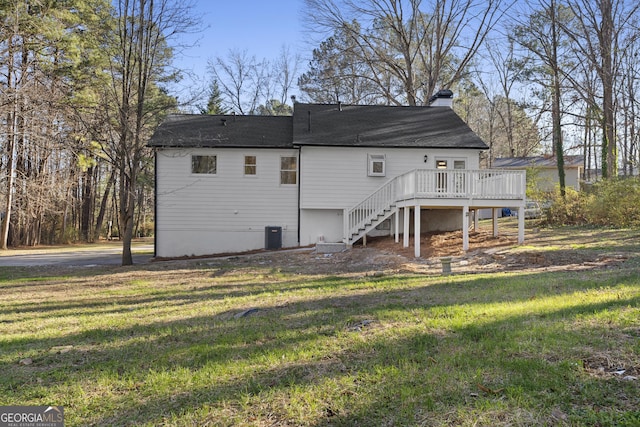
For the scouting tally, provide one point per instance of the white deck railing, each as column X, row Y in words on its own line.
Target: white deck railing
column 483, row 184
column 462, row 184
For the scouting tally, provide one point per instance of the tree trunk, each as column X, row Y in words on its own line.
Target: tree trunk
column 103, row 206
column 607, row 90
column 8, row 201
column 556, row 107
column 12, row 118
column 126, row 211
column 126, row 218
column 87, row 198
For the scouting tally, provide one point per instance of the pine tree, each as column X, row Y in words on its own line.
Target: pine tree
column 214, row 103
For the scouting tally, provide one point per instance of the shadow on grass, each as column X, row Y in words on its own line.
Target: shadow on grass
column 598, row 238
column 375, row 367
column 389, row 366
column 235, row 289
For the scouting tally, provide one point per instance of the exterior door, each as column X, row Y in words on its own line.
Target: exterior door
column 451, row 176
column 459, row 176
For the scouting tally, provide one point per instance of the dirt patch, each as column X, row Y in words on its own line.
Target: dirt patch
column 604, row 365
column 443, row 244
column 486, row 254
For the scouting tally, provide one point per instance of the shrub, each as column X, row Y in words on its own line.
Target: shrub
column 145, row 229
column 616, row 203
column 610, row 203
column 570, row 210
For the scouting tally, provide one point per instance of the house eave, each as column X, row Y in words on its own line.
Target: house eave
column 207, row 146
column 394, row 146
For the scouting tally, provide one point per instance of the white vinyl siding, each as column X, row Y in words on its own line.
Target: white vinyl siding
column 207, row 214
column 337, row 178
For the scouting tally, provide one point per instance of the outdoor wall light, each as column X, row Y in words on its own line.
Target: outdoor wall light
column 426, row 158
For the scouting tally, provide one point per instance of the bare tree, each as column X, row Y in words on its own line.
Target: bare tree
column 335, row 74
column 541, row 35
column 144, row 29
column 629, row 97
column 603, row 34
column 503, row 82
column 421, row 46
column 10, row 30
column 284, row 72
column 250, row 86
column 556, row 107
column 242, row 80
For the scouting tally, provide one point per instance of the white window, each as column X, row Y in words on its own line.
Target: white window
column 250, row 165
column 376, row 165
column 288, row 170
column 204, row 165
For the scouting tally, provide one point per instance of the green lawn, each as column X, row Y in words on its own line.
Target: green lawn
column 166, row 344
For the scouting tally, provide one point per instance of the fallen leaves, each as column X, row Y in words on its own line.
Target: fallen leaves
column 489, row 390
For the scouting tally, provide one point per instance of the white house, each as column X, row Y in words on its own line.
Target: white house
column 546, row 168
column 329, row 173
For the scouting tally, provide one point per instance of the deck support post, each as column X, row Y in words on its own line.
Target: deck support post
column 416, row 231
column 521, row 225
column 465, row 228
column 476, row 220
column 494, row 214
column 405, row 227
column 396, row 224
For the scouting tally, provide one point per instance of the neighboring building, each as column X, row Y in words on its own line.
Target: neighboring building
column 546, row 169
column 329, row 173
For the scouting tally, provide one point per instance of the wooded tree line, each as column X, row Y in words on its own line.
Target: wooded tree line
column 83, row 83
column 80, row 93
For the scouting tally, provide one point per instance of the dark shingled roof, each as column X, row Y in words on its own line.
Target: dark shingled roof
column 381, row 126
column 323, row 125
column 190, row 130
column 537, row 161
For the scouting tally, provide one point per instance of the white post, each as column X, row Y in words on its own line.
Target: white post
column 521, row 225
column 345, row 225
column 416, row 231
column 405, row 226
column 396, row 223
column 465, row 228
column 495, row 222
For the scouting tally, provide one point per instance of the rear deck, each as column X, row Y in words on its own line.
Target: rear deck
column 468, row 190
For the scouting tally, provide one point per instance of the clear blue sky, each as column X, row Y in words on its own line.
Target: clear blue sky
column 261, row 27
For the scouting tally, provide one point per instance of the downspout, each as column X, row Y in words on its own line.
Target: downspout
column 299, row 186
column 155, row 204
